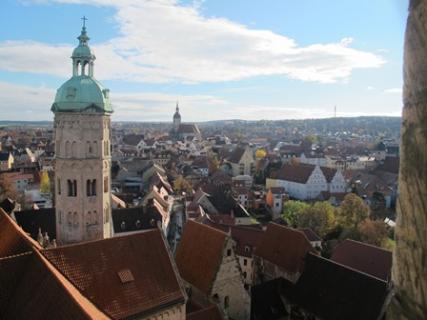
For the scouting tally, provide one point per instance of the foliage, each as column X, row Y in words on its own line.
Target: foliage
column 291, row 209
column 7, row 189
column 260, row 154
column 378, row 206
column 352, row 211
column 213, row 163
column 320, row 217
column 182, row 185
column 373, row 232
column 44, row 182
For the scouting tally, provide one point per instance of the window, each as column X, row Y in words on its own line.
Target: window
column 72, row 188
column 228, row 252
column 245, row 262
column 245, row 274
column 105, row 184
column 59, row 185
column 226, row 302
column 91, row 187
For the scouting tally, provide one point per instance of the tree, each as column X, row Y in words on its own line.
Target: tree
column 7, row 189
column 352, row 211
column 373, row 232
column 182, row 185
column 213, row 163
column 291, row 209
column 44, row 182
column 320, row 217
column 410, row 263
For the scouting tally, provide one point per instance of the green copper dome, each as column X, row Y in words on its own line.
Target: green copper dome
column 82, row 93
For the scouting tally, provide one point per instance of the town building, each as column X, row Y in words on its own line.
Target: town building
column 184, row 131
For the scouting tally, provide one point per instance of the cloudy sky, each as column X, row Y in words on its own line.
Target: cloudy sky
column 221, row 59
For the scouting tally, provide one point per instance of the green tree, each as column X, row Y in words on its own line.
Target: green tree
column 44, row 182
column 291, row 209
column 352, row 211
column 320, row 217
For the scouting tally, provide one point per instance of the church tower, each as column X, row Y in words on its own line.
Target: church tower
column 82, row 131
column 176, row 119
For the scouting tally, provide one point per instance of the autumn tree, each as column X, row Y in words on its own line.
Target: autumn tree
column 373, row 232
column 44, row 182
column 320, row 217
column 7, row 189
column 291, row 209
column 409, row 273
column 352, row 211
column 182, row 185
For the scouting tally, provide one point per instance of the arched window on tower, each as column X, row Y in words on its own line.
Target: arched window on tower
column 95, row 148
column 88, row 148
column 88, row 188
column 72, row 188
column 58, row 183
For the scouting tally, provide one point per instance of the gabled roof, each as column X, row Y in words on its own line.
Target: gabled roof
column 134, row 219
column 296, row 173
column 236, row 155
column 364, row 257
column 13, row 239
column 247, row 239
column 335, row 292
column 125, row 276
column 32, row 220
column 132, row 139
column 329, row 173
column 33, row 289
column 199, row 254
column 283, row 246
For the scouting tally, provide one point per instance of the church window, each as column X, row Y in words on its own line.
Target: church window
column 228, row 252
column 59, row 185
column 91, row 187
column 226, row 302
column 89, row 148
column 72, row 188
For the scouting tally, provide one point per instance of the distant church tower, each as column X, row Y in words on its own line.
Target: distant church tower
column 82, row 131
column 176, row 119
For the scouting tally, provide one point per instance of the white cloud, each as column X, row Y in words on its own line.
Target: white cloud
column 394, row 91
column 165, row 41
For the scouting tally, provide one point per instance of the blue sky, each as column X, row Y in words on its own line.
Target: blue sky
column 221, row 59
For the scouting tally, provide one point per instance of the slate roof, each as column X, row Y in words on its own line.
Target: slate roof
column 32, row 220
column 185, row 128
column 283, row 246
column 236, row 155
column 335, row 292
column 134, row 219
column 13, row 240
column 364, row 257
column 266, row 301
column 132, row 139
column 329, row 173
column 129, row 276
column 4, row 156
column 199, row 254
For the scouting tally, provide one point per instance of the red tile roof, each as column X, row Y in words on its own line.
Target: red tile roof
column 199, row 254
column 364, row 257
column 283, row 246
column 94, row 267
column 32, row 289
column 247, row 239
